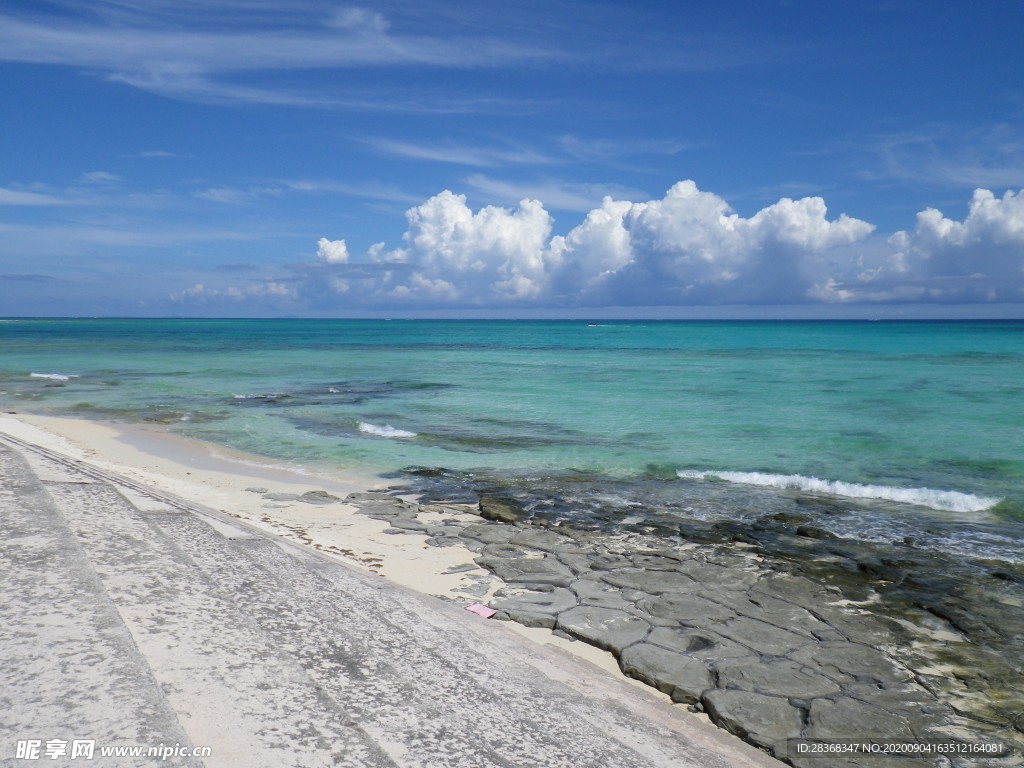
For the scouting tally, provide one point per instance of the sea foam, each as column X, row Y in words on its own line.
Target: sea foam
column 946, row 501
column 386, row 431
column 54, row 376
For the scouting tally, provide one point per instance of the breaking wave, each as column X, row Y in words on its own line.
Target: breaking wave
column 386, row 431
column 946, row 501
column 54, row 376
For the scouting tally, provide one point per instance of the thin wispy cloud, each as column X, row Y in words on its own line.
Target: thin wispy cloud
column 605, row 151
column 77, row 238
column 989, row 156
column 234, row 196
column 368, row 190
column 220, row 51
column 458, row 153
column 20, row 197
column 564, row 196
column 26, row 278
column 157, row 153
column 203, row 64
column 99, row 177
column 182, row 53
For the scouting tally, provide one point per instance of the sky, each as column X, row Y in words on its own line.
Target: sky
column 518, row 159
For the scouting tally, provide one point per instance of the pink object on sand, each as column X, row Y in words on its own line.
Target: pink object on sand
column 481, row 610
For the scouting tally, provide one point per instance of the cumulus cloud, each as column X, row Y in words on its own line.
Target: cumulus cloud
column 332, row 251
column 687, row 248
column 690, row 247
column 979, row 259
column 458, row 255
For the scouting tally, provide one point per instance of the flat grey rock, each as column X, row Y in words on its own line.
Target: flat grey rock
column 847, row 662
column 528, row 570
column 760, row 636
column 688, row 609
column 550, row 603
column 720, row 576
column 318, row 497
column 651, row 582
column 780, row 613
column 488, row 534
column 776, row 678
column 851, row 718
column 607, row 628
column 698, row 643
column 599, row 594
column 540, row 538
column 765, row 720
column 684, row 678
column 500, row 510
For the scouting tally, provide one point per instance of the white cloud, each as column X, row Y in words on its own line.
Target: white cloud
column 977, row 260
column 200, row 293
column 17, row 197
column 332, row 251
column 688, row 248
column 460, row 153
column 560, row 196
column 952, row 155
column 606, row 152
column 184, row 58
column 495, row 253
column 224, row 195
column 355, row 18
column 100, row 177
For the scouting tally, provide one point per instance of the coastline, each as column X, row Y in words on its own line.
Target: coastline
column 218, row 477
column 766, row 652
column 144, row 625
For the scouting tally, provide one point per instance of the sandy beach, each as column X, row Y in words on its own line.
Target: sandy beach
column 223, row 480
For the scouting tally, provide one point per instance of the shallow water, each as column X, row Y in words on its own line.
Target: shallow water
column 910, row 429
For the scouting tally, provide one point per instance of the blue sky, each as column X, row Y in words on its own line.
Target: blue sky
column 272, row 158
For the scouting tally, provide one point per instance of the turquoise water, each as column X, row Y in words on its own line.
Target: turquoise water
column 909, row 425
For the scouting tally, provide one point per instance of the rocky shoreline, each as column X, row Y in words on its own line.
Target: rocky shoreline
column 777, row 630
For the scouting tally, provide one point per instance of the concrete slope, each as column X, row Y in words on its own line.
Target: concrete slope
column 187, row 627
column 70, row 668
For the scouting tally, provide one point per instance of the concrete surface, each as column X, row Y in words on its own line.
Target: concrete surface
column 156, row 622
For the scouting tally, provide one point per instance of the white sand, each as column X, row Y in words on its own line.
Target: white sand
column 217, row 478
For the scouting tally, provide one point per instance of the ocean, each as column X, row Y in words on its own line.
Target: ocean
column 906, row 431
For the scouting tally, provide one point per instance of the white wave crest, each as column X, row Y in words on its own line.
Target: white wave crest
column 54, row 376
column 946, row 501
column 386, row 431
